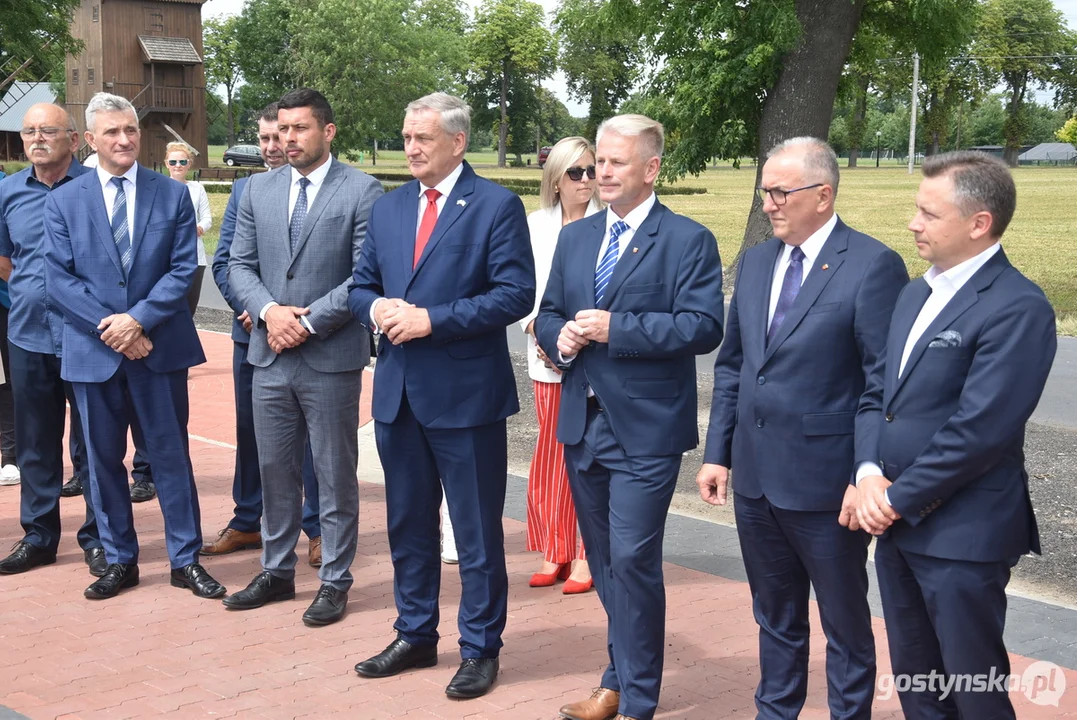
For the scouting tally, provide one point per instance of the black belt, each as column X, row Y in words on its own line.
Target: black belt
column 592, row 403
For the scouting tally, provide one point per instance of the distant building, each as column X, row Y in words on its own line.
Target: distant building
column 1055, row 153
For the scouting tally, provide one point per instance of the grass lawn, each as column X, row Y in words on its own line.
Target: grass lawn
column 1041, row 241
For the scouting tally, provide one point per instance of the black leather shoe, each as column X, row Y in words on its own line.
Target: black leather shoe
column 143, row 491
column 327, row 608
column 264, row 588
column 397, row 658
column 95, row 560
column 117, row 577
column 72, row 488
column 474, row 678
column 197, row 580
column 26, row 557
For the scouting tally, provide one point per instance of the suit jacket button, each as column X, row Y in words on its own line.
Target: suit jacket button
column 762, row 380
column 759, row 423
column 123, row 284
column 889, row 417
column 291, row 277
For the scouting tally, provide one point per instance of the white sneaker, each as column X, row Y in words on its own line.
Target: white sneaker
column 9, row 475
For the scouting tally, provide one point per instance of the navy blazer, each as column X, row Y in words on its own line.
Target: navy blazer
column 475, row 277
column 950, row 432
column 220, row 261
column 87, row 282
column 665, row 300
column 783, row 414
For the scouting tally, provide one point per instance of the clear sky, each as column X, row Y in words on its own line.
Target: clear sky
column 557, row 83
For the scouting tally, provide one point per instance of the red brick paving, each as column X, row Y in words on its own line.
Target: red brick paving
column 157, row 651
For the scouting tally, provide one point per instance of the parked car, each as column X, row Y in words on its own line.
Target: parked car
column 544, row 152
column 242, row 155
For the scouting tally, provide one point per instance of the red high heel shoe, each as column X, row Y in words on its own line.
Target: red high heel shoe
column 573, row 587
column 544, row 580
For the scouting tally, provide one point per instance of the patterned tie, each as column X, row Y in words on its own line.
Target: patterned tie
column 794, row 274
column 426, row 226
column 120, row 232
column 609, row 261
column 299, row 214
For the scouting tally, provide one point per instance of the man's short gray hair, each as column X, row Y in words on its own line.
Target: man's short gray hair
column 820, row 160
column 106, row 102
column 455, row 113
column 652, row 135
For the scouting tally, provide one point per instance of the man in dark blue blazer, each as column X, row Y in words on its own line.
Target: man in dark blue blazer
column 447, row 265
column 120, row 257
column 244, row 529
column 941, row 471
column 634, row 294
column 806, row 325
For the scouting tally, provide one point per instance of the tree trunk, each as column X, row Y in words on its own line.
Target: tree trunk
column 503, row 128
column 1014, row 125
column 860, row 111
column 854, row 153
column 802, row 100
column 231, row 121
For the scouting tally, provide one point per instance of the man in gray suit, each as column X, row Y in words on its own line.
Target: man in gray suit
column 297, row 239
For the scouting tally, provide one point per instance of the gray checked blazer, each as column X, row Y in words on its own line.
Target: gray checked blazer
column 262, row 268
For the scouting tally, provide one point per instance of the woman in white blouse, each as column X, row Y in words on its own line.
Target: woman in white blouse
column 568, row 193
column 178, row 156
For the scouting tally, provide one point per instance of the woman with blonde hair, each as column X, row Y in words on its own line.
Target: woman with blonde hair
column 568, row 193
column 179, row 157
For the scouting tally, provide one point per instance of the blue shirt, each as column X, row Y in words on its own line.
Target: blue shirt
column 5, row 299
column 35, row 324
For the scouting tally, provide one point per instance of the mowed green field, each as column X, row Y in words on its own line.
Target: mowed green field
column 1041, row 240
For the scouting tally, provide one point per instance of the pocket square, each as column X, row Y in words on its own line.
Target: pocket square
column 947, row 338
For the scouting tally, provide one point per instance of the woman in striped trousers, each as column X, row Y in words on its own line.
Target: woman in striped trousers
column 567, row 194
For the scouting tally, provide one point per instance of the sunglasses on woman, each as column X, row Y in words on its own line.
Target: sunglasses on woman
column 178, row 162
column 575, row 174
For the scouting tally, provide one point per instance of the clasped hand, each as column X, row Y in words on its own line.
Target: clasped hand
column 124, row 334
column 587, row 327
column 283, row 329
column 401, row 322
column 873, row 513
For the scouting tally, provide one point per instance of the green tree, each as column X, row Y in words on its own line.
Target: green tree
column 510, row 50
column 1068, row 132
column 1020, row 41
column 601, row 59
column 371, row 59
column 987, row 122
column 35, row 36
column 220, row 38
column 267, row 52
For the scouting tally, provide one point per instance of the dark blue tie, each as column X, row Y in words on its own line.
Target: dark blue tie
column 121, row 233
column 609, row 261
column 794, row 275
column 299, row 214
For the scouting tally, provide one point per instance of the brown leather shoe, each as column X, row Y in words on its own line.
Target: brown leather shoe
column 314, row 552
column 230, row 540
column 602, row 705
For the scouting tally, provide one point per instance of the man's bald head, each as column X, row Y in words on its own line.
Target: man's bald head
column 49, row 137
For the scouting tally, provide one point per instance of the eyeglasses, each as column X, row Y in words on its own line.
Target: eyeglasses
column 575, row 174
column 778, row 195
column 178, row 162
column 50, row 133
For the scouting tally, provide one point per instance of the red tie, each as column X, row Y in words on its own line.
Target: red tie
column 426, row 227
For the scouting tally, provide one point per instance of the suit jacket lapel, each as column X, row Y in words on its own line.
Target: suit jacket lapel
column 455, row 206
column 589, row 249
column 830, row 257
column 409, row 226
column 333, row 179
column 99, row 216
column 757, row 323
column 642, row 241
column 900, row 326
column 145, row 194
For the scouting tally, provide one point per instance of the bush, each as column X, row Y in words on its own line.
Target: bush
column 679, row 190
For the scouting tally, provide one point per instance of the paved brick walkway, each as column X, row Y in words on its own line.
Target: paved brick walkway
column 157, row 651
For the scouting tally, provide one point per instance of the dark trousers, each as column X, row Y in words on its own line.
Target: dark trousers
column 786, row 553
column 945, row 617
column 621, row 504
column 41, row 398
column 7, row 400
column 473, row 465
column 247, row 482
column 159, row 402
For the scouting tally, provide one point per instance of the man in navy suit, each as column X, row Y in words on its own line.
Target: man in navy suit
column 119, row 259
column 447, row 265
column 941, row 472
column 634, row 294
column 244, row 529
column 807, row 323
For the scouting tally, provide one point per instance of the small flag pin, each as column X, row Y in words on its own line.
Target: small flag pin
column 825, row 266
column 635, row 250
column 462, row 202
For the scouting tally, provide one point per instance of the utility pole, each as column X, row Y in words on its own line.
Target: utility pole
column 912, row 119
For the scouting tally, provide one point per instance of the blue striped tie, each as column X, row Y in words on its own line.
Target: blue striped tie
column 120, row 232
column 609, row 261
column 794, row 276
column 299, row 214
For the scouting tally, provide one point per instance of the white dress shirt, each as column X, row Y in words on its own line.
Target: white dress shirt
column 944, row 286
column 811, row 249
column 129, row 191
column 444, row 187
column 317, row 179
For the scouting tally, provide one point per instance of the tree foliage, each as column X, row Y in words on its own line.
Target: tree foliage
column 1068, row 132
column 220, row 40
column 267, row 52
column 511, row 52
column 37, row 31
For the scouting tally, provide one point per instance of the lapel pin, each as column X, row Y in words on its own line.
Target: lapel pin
column 635, row 250
column 825, row 266
column 462, row 202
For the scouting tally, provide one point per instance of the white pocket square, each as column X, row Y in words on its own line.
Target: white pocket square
column 947, row 338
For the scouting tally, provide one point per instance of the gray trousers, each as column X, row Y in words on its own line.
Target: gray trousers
column 291, row 399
